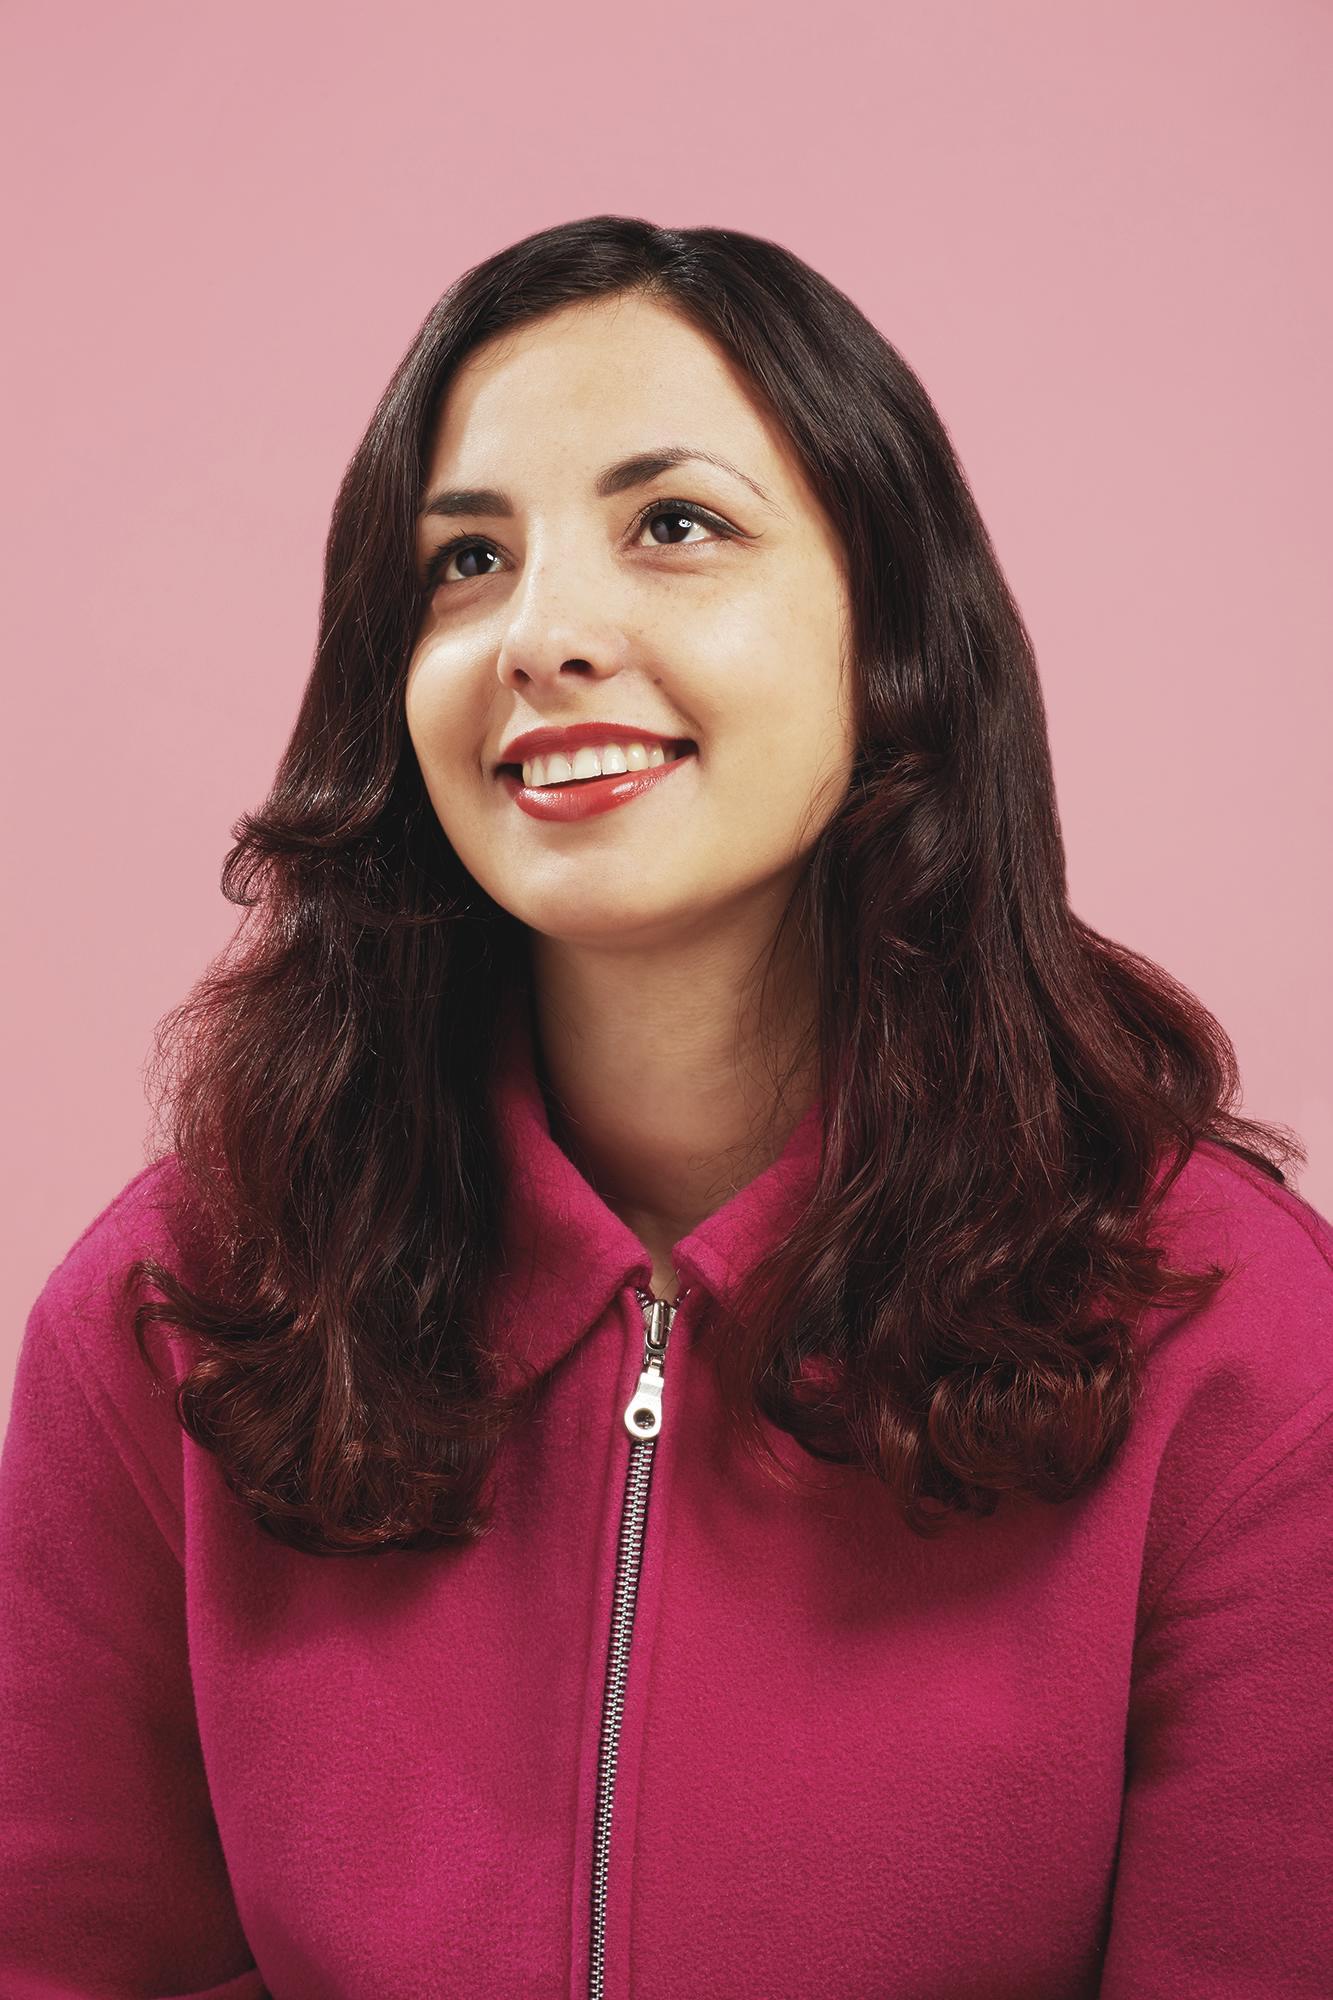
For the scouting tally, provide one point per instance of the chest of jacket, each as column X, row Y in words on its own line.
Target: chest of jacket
column 668, row 1729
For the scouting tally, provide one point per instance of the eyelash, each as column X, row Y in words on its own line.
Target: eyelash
column 687, row 509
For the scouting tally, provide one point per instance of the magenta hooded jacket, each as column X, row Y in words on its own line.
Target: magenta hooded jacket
column 667, row 1731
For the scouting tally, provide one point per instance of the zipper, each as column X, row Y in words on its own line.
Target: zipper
column 643, row 1420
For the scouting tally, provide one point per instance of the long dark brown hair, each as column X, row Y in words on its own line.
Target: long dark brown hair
column 1008, row 1094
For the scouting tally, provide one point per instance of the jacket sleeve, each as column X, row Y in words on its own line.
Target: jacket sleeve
column 1224, row 1878
column 112, row 1877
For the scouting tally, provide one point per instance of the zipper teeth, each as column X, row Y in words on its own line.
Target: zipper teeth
column 622, row 1620
column 629, row 1559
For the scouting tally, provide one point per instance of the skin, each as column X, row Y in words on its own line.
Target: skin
column 647, row 924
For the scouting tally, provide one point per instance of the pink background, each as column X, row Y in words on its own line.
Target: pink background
column 1098, row 233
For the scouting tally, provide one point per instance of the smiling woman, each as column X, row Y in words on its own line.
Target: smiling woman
column 836, row 1398
column 715, row 617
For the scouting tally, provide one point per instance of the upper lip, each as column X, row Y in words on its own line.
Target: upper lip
column 579, row 736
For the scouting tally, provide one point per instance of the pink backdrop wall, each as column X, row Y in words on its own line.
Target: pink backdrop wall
column 1095, row 232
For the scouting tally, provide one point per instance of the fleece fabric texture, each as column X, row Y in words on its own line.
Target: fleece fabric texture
column 1063, row 1752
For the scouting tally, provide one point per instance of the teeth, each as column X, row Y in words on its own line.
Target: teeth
column 609, row 760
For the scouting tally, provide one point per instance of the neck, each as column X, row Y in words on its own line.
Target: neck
column 660, row 1084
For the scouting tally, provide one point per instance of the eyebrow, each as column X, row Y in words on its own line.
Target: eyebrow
column 640, row 470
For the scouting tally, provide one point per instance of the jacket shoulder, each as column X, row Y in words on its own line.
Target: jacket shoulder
column 1220, row 1191
column 1240, row 1389
column 1275, row 1246
column 87, row 1305
column 151, row 1216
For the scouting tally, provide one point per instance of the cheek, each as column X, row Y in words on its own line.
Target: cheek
column 790, row 694
column 439, row 732
column 417, row 700
column 434, row 707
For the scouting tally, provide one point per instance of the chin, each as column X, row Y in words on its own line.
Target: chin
column 607, row 923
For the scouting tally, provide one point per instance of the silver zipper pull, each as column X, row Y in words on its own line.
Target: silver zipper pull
column 643, row 1412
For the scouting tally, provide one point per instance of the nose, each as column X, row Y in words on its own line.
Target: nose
column 561, row 626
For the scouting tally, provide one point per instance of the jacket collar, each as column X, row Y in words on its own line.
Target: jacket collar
column 566, row 1254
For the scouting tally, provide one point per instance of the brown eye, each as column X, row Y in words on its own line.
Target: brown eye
column 670, row 518
column 677, row 514
column 463, row 546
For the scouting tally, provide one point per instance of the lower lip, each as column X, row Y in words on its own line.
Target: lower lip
column 594, row 795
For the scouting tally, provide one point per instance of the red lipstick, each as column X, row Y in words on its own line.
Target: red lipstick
column 584, row 799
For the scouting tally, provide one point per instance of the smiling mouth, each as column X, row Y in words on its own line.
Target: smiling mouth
column 682, row 746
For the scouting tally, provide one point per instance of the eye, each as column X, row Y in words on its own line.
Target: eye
column 461, row 546
column 679, row 514
column 672, row 513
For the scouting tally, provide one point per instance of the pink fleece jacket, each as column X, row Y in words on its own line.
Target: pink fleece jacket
column 666, row 1732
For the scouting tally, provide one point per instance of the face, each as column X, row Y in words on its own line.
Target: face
column 693, row 602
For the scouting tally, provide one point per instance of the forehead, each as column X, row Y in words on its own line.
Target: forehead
column 591, row 381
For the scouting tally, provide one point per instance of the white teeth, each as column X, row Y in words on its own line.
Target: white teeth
column 609, row 760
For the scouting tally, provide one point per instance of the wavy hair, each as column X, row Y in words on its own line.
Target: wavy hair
column 1008, row 1094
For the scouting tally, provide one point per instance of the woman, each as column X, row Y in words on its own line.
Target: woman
column 837, row 1401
